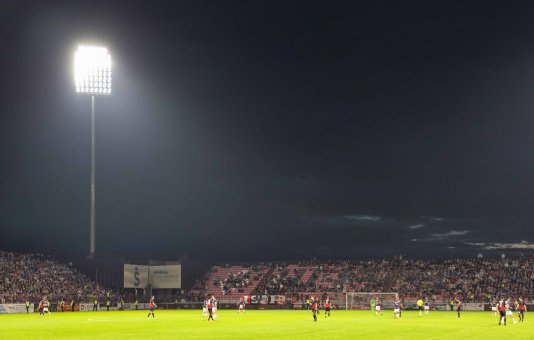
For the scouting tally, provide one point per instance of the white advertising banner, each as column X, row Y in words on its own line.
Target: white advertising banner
column 169, row 276
column 135, row 276
column 13, row 308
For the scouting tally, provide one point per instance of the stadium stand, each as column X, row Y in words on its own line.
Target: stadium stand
column 31, row 276
column 475, row 279
column 230, row 282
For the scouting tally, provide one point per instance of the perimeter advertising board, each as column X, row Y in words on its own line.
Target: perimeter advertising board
column 12, row 308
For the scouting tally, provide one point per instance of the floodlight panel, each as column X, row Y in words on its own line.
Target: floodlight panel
column 92, row 70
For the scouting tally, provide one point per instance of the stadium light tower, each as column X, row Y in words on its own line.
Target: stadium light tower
column 92, row 76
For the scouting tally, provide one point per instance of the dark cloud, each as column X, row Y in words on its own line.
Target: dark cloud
column 276, row 129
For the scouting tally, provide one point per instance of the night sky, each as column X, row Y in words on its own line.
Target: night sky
column 250, row 130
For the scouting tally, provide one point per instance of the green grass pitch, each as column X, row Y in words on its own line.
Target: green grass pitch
column 260, row 324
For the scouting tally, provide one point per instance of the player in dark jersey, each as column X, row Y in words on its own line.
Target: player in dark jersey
column 152, row 306
column 521, row 309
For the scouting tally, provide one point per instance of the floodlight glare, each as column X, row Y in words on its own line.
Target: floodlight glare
column 92, row 70
column 92, row 75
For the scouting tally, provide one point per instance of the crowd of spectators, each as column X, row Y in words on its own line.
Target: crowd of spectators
column 32, row 276
column 474, row 279
column 230, row 281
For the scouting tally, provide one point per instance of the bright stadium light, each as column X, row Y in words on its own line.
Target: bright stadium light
column 92, row 75
column 92, row 70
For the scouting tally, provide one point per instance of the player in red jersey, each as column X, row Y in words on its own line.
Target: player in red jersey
column 152, row 307
column 210, row 310
column 314, row 308
column 502, row 312
column 458, row 306
column 521, row 309
column 327, row 306
column 41, row 307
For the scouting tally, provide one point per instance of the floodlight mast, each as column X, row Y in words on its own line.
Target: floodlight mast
column 92, row 75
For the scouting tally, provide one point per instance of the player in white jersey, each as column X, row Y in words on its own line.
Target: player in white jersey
column 396, row 308
column 510, row 309
column 46, row 306
column 215, row 304
column 205, row 309
column 378, row 308
column 494, row 306
column 241, row 306
column 426, row 307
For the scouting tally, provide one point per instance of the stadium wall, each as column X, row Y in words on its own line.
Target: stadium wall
column 13, row 308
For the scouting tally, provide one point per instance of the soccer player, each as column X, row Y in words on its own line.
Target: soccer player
column 215, row 306
column 502, row 313
column 41, row 307
column 378, row 308
column 205, row 309
column 46, row 307
column 327, row 307
column 396, row 308
column 521, row 309
column 494, row 307
column 458, row 306
column 314, row 307
column 510, row 309
column 420, row 307
column 373, row 304
column 241, row 306
column 426, row 307
column 152, row 306
column 210, row 310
